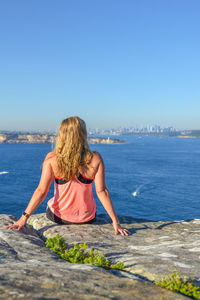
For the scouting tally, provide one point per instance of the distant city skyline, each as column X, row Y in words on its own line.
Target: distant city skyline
column 113, row 63
column 91, row 128
column 137, row 128
column 133, row 129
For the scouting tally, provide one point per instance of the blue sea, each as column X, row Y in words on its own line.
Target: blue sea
column 154, row 178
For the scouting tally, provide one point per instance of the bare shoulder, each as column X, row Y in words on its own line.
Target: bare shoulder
column 51, row 161
column 96, row 157
column 50, row 157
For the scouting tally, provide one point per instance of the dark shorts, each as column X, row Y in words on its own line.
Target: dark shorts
column 51, row 216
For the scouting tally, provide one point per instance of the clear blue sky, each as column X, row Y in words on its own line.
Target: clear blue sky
column 112, row 62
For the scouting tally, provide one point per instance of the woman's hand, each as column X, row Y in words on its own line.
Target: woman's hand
column 119, row 229
column 18, row 224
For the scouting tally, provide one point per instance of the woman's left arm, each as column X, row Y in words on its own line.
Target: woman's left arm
column 38, row 196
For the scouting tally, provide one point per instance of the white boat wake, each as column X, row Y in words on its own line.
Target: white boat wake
column 136, row 192
column 143, row 188
column 3, row 172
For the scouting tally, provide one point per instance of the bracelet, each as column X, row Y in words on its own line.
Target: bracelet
column 26, row 215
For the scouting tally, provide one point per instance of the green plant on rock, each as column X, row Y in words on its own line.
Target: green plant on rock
column 57, row 244
column 80, row 253
column 174, row 282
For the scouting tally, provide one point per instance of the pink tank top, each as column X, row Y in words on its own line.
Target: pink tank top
column 73, row 200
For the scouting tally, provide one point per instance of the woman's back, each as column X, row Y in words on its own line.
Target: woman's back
column 89, row 172
column 73, row 199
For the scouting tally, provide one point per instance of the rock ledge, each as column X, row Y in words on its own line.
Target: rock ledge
column 28, row 270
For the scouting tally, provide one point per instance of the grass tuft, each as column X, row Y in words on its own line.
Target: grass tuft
column 80, row 254
column 174, row 282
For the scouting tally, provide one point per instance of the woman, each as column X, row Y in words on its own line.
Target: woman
column 73, row 166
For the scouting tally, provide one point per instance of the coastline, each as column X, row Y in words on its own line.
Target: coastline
column 49, row 139
column 187, row 137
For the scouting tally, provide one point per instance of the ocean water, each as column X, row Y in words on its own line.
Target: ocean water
column 153, row 178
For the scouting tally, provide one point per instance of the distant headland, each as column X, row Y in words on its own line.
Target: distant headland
column 186, row 134
column 39, row 138
column 50, row 138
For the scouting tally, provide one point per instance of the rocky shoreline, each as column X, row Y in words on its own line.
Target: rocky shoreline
column 28, row 270
column 45, row 138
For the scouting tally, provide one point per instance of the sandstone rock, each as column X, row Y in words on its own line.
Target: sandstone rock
column 108, row 140
column 2, row 138
column 28, row 270
column 151, row 251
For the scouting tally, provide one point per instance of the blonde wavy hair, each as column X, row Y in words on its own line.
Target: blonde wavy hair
column 72, row 150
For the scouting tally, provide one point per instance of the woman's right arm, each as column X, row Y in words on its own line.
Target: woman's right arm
column 39, row 194
column 104, row 197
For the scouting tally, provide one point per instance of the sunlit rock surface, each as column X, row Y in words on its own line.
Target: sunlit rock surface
column 28, row 270
column 152, row 250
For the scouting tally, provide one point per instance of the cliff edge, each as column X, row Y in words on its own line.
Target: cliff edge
column 28, row 270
